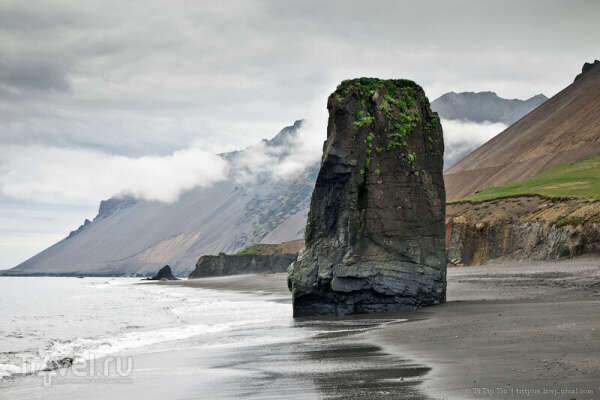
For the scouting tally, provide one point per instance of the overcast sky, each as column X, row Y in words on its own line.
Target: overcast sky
column 96, row 90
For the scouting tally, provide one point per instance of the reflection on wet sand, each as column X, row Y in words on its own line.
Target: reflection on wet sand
column 336, row 363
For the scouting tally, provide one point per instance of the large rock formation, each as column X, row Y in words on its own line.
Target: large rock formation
column 375, row 235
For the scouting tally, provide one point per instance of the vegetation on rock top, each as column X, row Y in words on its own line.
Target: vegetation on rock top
column 290, row 247
column 368, row 86
column 396, row 99
column 256, row 249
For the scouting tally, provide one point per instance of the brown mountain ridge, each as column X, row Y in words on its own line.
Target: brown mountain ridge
column 565, row 128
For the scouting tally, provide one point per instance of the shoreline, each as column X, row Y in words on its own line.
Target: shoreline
column 252, row 283
column 268, row 355
column 509, row 330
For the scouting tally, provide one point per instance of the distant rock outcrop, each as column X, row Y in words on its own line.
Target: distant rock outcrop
column 224, row 264
column 375, row 235
column 164, row 274
column 259, row 258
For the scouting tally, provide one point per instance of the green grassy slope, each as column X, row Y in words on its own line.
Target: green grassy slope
column 580, row 179
column 256, row 249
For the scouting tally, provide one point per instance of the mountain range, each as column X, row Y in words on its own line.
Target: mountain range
column 136, row 236
column 563, row 129
column 484, row 107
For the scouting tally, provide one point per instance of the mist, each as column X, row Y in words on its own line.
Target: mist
column 462, row 137
column 84, row 176
column 77, row 176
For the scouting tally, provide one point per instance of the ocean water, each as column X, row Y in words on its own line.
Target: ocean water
column 47, row 319
column 182, row 342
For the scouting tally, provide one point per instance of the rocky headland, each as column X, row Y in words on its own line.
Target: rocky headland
column 226, row 264
column 374, row 241
column 260, row 258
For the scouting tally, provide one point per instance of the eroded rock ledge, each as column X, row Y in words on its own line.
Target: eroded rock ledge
column 527, row 227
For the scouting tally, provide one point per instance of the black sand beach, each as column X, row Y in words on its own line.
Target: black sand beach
column 509, row 330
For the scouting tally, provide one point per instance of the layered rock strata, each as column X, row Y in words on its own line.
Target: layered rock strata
column 527, row 227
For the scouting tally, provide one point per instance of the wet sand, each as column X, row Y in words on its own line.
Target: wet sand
column 509, row 330
column 268, row 283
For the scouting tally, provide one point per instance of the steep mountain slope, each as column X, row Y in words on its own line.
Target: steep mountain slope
column 579, row 179
column 139, row 236
column 484, row 106
column 565, row 128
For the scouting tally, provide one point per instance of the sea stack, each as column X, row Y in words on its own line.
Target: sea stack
column 374, row 240
column 164, row 274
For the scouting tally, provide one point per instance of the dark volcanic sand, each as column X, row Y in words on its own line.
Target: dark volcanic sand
column 510, row 330
column 270, row 283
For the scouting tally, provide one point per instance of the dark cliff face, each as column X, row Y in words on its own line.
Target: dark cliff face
column 224, row 264
column 375, row 232
column 479, row 243
column 528, row 227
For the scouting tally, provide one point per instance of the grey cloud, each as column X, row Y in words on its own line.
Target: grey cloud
column 20, row 17
column 143, row 78
column 33, row 74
